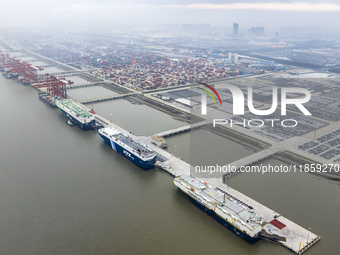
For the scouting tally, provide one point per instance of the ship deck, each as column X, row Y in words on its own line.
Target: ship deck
column 231, row 204
column 76, row 109
column 134, row 145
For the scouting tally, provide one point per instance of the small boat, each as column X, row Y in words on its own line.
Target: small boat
column 70, row 123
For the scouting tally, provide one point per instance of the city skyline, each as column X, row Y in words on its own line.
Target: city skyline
column 89, row 14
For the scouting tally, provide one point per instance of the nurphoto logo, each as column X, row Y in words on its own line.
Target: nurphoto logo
column 238, row 100
column 204, row 98
column 238, row 105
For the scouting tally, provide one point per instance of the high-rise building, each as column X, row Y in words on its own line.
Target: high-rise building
column 256, row 30
column 235, row 29
column 232, row 58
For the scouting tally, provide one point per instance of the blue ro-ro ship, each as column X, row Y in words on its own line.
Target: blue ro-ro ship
column 129, row 148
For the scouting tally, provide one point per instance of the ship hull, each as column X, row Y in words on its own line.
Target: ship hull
column 222, row 221
column 85, row 126
column 228, row 225
column 200, row 206
column 145, row 164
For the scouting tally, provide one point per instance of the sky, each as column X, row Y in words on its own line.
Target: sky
column 271, row 14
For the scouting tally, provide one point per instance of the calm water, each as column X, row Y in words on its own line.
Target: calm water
column 138, row 119
column 64, row 191
column 89, row 93
column 196, row 148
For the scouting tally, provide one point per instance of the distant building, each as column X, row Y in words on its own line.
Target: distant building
column 232, row 58
column 256, row 30
column 235, row 29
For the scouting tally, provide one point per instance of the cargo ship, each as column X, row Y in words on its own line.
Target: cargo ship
column 137, row 153
column 46, row 98
column 23, row 81
column 76, row 114
column 223, row 207
column 10, row 74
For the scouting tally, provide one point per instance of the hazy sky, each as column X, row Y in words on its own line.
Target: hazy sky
column 268, row 13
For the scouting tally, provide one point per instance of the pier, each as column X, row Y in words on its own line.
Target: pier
column 181, row 129
column 82, row 85
column 251, row 159
column 56, row 73
column 107, row 98
column 101, row 122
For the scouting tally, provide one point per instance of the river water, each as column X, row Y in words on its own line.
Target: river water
column 64, row 191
